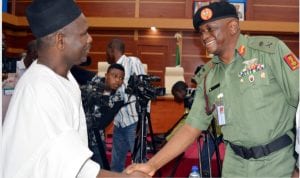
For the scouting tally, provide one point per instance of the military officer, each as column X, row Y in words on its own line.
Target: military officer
column 251, row 86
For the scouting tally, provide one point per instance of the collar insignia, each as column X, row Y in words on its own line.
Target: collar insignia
column 242, row 50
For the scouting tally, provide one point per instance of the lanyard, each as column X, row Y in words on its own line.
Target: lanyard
column 208, row 110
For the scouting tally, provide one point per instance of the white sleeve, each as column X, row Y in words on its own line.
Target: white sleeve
column 65, row 157
column 90, row 169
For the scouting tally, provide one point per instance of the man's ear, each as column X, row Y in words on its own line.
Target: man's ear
column 59, row 40
column 234, row 27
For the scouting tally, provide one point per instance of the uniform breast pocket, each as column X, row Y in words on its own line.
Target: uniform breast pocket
column 252, row 89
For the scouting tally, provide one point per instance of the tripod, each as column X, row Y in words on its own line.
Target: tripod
column 140, row 144
column 208, row 135
column 99, row 151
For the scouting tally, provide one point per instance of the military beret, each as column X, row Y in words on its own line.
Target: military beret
column 48, row 16
column 214, row 11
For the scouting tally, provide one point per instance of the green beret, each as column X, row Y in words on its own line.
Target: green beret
column 214, row 11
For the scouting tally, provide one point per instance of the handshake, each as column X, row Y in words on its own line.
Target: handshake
column 140, row 170
column 144, row 170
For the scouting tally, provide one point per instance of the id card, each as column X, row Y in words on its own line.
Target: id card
column 220, row 110
column 221, row 115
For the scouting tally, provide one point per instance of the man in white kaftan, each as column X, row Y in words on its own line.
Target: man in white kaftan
column 52, row 106
column 44, row 132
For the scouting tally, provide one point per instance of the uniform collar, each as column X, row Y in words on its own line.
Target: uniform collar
column 215, row 59
column 241, row 48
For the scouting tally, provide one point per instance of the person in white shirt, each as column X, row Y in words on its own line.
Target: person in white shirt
column 125, row 122
column 27, row 58
column 44, row 132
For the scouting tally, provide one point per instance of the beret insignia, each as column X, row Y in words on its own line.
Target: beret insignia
column 206, row 14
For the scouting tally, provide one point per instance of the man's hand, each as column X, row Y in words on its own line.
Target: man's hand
column 143, row 167
column 138, row 174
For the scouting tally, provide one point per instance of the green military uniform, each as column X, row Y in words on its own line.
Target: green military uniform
column 260, row 96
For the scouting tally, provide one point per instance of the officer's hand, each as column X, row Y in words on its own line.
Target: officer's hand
column 143, row 167
column 138, row 174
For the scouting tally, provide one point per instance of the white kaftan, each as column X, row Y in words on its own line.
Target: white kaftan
column 44, row 132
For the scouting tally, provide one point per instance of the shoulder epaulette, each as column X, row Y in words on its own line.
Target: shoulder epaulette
column 205, row 69
column 263, row 43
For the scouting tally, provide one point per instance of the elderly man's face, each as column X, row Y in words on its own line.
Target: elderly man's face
column 77, row 40
column 214, row 36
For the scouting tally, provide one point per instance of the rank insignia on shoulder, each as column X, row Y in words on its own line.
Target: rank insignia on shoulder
column 291, row 61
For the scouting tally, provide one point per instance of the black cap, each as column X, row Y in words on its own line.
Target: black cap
column 48, row 16
column 214, row 11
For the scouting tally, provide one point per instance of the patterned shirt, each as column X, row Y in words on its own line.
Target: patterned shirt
column 128, row 114
column 97, row 103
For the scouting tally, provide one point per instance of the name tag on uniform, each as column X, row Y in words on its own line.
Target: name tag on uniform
column 221, row 110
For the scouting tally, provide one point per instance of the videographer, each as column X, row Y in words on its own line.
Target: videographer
column 182, row 93
column 101, row 102
column 125, row 122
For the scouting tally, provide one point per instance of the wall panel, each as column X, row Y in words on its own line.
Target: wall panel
column 164, row 9
column 273, row 10
column 108, row 8
column 269, row 10
column 154, row 56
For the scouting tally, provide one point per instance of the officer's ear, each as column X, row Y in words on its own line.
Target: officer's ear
column 234, row 26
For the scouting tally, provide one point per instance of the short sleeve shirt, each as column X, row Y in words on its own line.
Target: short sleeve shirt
column 260, row 89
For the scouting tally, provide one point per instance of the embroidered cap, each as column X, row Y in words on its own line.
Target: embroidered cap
column 48, row 16
column 214, row 11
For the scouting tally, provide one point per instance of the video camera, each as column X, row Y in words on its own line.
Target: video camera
column 92, row 95
column 141, row 86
